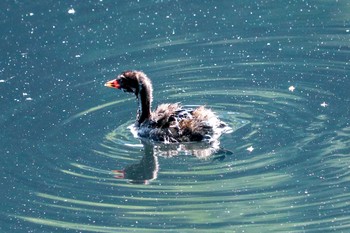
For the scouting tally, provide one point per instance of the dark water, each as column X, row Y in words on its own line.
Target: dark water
column 63, row 134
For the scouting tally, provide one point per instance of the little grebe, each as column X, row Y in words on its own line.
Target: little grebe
column 169, row 122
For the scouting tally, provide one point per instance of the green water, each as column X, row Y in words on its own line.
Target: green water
column 275, row 71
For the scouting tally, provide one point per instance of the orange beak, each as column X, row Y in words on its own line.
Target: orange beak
column 113, row 84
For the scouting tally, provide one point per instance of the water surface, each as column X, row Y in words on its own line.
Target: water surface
column 276, row 72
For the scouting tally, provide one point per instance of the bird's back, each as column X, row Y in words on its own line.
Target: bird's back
column 173, row 123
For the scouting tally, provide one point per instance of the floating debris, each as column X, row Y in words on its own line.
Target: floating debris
column 24, row 55
column 5, row 80
column 291, row 88
column 324, row 104
column 250, row 149
column 71, row 11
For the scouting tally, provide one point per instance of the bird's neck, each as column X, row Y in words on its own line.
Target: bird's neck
column 145, row 101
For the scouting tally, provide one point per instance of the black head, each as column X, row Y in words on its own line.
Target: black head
column 138, row 83
column 126, row 81
column 135, row 82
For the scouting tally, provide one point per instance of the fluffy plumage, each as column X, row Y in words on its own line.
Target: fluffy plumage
column 169, row 122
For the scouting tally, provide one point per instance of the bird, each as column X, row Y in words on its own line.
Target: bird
column 169, row 122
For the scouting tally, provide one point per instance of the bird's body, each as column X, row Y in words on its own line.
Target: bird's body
column 169, row 122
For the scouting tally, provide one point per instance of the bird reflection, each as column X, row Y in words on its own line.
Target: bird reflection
column 143, row 171
column 147, row 168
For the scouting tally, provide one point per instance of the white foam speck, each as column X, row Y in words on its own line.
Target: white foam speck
column 324, row 104
column 250, row 149
column 71, row 11
column 291, row 88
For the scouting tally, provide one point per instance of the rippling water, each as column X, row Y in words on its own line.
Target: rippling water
column 276, row 72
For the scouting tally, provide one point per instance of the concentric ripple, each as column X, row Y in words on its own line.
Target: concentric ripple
column 273, row 181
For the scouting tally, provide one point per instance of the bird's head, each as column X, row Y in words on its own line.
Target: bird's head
column 126, row 81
